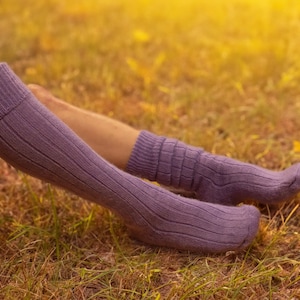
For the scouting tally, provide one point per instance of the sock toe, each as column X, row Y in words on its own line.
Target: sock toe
column 252, row 215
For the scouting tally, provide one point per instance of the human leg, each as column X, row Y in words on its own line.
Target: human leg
column 111, row 139
column 36, row 142
column 211, row 178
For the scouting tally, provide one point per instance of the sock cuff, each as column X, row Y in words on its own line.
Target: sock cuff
column 144, row 158
column 12, row 90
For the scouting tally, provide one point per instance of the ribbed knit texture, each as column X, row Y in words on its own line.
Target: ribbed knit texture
column 35, row 141
column 10, row 89
column 213, row 178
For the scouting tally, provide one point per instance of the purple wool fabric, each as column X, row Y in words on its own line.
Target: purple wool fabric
column 35, row 141
column 212, row 178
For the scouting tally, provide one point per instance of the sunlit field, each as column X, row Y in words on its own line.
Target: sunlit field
column 222, row 75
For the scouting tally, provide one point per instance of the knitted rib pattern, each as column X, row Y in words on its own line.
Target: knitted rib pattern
column 35, row 141
column 213, row 178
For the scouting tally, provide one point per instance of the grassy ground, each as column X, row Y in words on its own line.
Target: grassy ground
column 220, row 74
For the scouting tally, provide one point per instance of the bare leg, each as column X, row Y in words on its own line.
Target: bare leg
column 110, row 138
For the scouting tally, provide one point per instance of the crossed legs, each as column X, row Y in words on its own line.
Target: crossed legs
column 35, row 141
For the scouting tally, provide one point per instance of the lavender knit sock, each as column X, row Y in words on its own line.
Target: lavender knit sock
column 212, row 178
column 33, row 140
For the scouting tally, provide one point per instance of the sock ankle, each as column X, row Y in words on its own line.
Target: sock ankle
column 33, row 140
column 213, row 178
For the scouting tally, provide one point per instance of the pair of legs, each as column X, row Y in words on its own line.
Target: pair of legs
column 36, row 141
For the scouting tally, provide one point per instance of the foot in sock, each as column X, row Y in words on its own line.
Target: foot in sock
column 212, row 178
column 33, row 140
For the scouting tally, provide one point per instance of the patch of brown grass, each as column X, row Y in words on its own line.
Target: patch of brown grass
column 222, row 75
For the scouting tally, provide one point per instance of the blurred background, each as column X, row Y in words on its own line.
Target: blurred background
column 203, row 71
column 219, row 74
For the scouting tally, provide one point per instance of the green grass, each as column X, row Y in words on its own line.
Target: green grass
column 223, row 75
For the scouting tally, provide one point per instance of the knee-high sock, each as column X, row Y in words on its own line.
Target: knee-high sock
column 213, row 178
column 33, row 140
